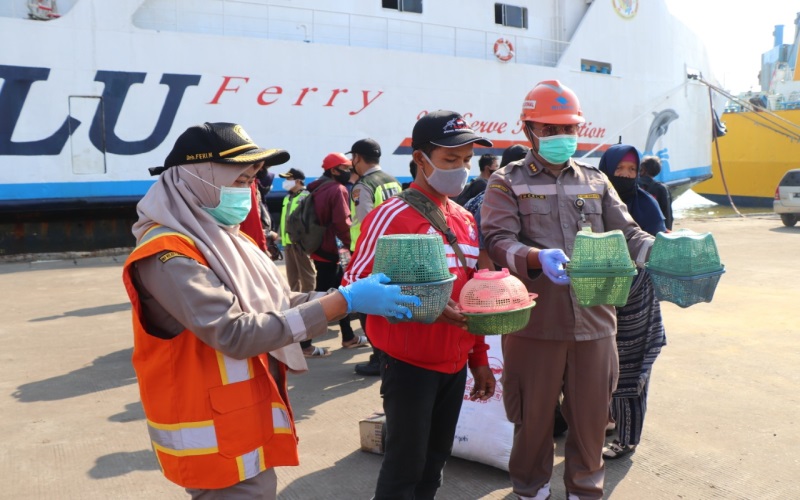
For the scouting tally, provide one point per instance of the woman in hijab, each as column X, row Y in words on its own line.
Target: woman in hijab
column 215, row 324
column 640, row 329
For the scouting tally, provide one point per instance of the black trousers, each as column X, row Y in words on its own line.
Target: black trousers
column 422, row 408
column 329, row 275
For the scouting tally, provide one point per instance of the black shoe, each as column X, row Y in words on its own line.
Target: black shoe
column 371, row 369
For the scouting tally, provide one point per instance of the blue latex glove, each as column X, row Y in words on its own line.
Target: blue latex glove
column 372, row 296
column 554, row 262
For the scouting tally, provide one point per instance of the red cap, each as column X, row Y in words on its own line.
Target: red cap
column 334, row 160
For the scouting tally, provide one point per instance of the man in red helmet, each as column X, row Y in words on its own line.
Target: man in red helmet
column 531, row 212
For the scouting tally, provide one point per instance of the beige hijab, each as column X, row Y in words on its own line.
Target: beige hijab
column 176, row 201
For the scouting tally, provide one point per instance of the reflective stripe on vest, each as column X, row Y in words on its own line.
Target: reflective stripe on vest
column 289, row 205
column 382, row 186
column 223, row 411
column 200, row 438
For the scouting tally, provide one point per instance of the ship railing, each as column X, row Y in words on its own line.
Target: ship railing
column 254, row 19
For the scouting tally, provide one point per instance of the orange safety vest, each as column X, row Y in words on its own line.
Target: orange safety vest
column 214, row 421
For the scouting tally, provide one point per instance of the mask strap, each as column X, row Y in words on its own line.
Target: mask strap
column 200, row 178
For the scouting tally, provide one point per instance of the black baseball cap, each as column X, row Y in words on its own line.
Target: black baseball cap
column 293, row 174
column 513, row 153
column 219, row 143
column 446, row 129
column 366, row 147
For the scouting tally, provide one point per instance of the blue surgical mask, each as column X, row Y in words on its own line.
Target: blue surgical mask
column 557, row 149
column 447, row 182
column 234, row 203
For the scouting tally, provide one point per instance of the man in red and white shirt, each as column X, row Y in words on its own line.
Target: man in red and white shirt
column 424, row 366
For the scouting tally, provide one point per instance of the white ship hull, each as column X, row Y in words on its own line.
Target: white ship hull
column 92, row 99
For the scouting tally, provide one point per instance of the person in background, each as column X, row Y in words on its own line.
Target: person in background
column 650, row 168
column 214, row 323
column 412, row 169
column 531, row 213
column 333, row 211
column 640, row 329
column 511, row 153
column 264, row 183
column 487, row 166
column 254, row 224
column 424, row 367
column 374, row 186
column 300, row 271
column 620, row 163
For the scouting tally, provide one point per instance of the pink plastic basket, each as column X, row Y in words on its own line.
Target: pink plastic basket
column 493, row 292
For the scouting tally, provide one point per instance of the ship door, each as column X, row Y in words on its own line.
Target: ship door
column 86, row 158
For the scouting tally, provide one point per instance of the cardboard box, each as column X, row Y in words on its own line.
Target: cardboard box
column 372, row 430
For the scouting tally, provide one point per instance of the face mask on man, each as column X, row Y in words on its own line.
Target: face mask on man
column 234, row 203
column 341, row 177
column 288, row 184
column 447, row 182
column 557, row 149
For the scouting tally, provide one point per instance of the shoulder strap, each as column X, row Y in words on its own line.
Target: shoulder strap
column 434, row 215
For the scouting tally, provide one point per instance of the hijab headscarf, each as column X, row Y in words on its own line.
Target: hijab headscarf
column 642, row 207
column 176, row 201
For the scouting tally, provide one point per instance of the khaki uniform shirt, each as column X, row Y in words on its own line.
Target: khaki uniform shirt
column 181, row 293
column 525, row 206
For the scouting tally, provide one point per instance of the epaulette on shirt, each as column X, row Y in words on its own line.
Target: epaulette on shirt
column 586, row 165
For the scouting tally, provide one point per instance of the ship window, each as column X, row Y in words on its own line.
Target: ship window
column 595, row 66
column 404, row 5
column 511, row 15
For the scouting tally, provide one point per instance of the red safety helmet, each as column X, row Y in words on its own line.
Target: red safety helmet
column 553, row 103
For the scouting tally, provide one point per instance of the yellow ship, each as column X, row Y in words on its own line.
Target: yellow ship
column 763, row 133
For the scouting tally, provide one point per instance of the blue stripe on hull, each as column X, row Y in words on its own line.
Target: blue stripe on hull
column 61, row 190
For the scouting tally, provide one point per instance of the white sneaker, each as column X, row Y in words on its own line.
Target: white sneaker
column 542, row 494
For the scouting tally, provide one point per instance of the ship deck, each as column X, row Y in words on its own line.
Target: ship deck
column 722, row 407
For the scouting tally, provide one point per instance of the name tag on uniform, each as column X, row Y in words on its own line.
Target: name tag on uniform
column 170, row 255
column 498, row 186
column 589, row 196
column 525, row 196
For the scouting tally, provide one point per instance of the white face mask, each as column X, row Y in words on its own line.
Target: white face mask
column 447, row 182
column 288, row 185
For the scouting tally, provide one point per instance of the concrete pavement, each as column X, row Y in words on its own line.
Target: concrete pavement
column 721, row 422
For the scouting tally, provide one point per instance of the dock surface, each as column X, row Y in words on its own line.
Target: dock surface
column 722, row 417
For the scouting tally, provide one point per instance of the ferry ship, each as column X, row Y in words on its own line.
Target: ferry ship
column 94, row 92
column 763, row 132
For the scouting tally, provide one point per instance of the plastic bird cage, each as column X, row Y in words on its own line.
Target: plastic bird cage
column 411, row 258
column 601, row 270
column 685, row 267
column 495, row 303
column 433, row 299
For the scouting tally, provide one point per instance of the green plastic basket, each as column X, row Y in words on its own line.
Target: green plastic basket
column 603, row 252
column 684, row 253
column 601, row 270
column 602, row 289
column 685, row 291
column 684, row 267
column 411, row 258
column 433, row 296
column 499, row 323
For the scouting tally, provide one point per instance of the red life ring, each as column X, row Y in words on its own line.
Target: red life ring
column 503, row 49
